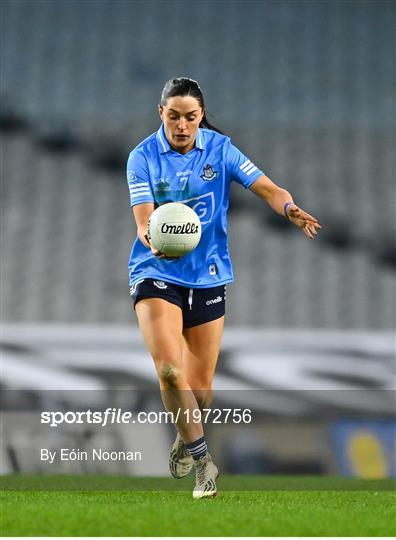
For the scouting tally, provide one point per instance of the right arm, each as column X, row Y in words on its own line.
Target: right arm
column 142, row 212
column 142, row 199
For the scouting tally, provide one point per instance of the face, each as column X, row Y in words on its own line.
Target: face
column 181, row 117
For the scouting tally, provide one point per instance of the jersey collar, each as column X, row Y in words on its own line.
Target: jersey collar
column 164, row 146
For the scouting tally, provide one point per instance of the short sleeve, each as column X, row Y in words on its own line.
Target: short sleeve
column 138, row 179
column 240, row 168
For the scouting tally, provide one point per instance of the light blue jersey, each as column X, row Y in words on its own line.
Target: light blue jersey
column 201, row 179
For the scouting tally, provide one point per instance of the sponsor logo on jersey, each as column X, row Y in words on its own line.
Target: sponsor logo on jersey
column 214, row 300
column 184, row 173
column 186, row 228
column 209, row 174
column 162, row 184
column 203, row 206
column 160, row 284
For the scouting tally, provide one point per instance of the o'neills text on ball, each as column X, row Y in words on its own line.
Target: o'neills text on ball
column 185, row 228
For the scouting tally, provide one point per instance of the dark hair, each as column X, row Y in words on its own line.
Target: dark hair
column 183, row 86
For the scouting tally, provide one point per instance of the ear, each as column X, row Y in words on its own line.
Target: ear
column 161, row 111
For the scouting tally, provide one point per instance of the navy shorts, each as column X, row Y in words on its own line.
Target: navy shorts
column 198, row 305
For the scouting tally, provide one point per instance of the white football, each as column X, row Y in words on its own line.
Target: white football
column 174, row 229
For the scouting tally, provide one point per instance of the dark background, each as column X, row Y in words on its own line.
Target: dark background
column 305, row 89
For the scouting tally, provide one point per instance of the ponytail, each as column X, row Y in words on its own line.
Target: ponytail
column 205, row 124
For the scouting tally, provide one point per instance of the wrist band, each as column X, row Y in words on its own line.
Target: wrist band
column 285, row 208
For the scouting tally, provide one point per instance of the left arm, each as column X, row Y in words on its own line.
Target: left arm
column 276, row 198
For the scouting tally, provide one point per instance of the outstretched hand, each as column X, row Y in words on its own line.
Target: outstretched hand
column 304, row 221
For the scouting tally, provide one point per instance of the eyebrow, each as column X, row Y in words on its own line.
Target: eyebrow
column 177, row 112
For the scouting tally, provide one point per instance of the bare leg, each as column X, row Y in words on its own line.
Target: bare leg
column 161, row 325
column 201, row 347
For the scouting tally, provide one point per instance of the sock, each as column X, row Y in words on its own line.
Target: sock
column 197, row 448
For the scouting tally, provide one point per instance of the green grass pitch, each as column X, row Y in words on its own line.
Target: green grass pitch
column 246, row 506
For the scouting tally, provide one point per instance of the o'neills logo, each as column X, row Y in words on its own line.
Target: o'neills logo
column 186, row 228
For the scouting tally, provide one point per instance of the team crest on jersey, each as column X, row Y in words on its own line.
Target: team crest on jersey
column 160, row 284
column 209, row 174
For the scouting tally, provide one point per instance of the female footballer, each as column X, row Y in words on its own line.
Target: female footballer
column 180, row 302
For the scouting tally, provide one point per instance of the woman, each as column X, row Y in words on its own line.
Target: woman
column 180, row 302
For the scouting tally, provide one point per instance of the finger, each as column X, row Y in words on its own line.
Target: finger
column 313, row 226
column 307, row 232
column 308, row 217
column 298, row 212
column 312, row 229
column 161, row 255
column 314, row 223
column 301, row 223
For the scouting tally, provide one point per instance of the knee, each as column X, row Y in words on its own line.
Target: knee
column 169, row 375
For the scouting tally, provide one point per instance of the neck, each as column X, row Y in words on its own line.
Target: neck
column 183, row 150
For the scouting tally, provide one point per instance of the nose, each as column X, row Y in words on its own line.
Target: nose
column 182, row 123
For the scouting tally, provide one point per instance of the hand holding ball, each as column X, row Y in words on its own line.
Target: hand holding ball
column 174, row 229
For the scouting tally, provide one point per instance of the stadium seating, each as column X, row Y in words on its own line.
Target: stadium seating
column 304, row 89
